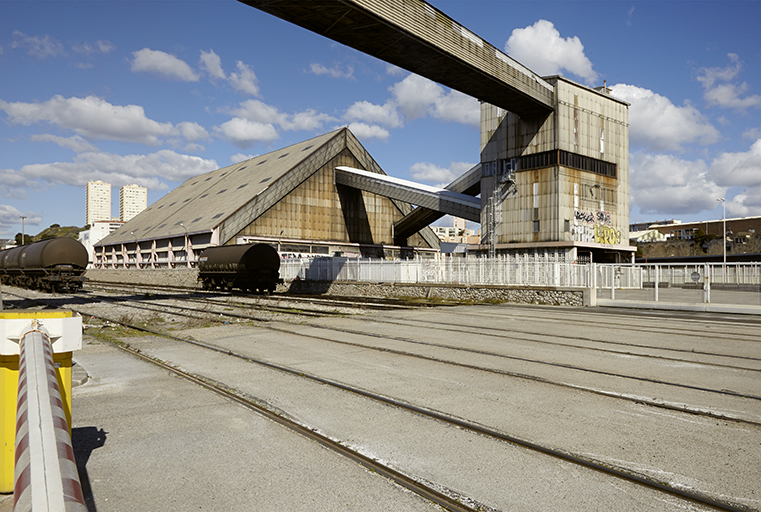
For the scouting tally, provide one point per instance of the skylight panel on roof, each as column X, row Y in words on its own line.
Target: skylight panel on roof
column 217, row 215
column 223, row 190
column 260, row 163
column 282, row 156
column 266, row 179
column 242, row 186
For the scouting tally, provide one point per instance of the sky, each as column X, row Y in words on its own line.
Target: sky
column 156, row 92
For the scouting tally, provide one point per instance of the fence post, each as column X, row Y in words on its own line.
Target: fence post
column 657, row 278
column 707, row 284
column 612, row 282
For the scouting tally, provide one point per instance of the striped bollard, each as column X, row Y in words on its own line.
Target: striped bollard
column 36, row 455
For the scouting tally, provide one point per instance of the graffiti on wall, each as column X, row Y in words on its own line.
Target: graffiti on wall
column 599, row 217
column 595, row 227
column 607, row 235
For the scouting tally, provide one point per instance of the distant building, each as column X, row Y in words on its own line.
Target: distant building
column 648, row 235
column 98, row 206
column 644, row 226
column 133, row 199
column 457, row 233
column 97, row 232
column 687, row 230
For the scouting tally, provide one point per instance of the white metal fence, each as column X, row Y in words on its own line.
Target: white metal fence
column 465, row 271
column 737, row 283
column 718, row 283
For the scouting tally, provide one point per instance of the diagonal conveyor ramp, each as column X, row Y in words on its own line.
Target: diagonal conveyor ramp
column 469, row 184
column 438, row 199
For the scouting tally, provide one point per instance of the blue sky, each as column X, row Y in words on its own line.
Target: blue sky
column 153, row 93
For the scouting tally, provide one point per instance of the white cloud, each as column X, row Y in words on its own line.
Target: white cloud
column 365, row 131
column 244, row 133
column 40, row 47
column 416, row 97
column 665, row 184
column 75, row 143
column 394, row 70
column 364, row 111
column 212, row 64
column 709, row 76
column 309, row 120
column 541, row 48
column 163, row 64
column 726, row 95
column 15, row 184
column 91, row 117
column 95, row 118
column 244, row 80
column 259, row 113
column 659, row 125
column 192, row 131
column 738, row 169
column 240, row 157
column 745, row 204
column 432, row 173
column 147, row 170
column 334, row 72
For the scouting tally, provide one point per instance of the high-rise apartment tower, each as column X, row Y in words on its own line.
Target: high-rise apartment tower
column 133, row 199
column 98, row 201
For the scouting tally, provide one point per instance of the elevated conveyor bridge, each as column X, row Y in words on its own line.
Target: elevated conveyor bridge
column 416, row 36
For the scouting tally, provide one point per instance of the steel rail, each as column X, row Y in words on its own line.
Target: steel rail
column 618, row 396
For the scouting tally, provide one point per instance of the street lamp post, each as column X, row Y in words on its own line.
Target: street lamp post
column 22, row 229
column 724, row 227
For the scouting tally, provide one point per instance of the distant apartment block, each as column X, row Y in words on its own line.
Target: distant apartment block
column 133, row 199
column 98, row 206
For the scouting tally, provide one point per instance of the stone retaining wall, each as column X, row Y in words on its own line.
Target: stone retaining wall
column 518, row 295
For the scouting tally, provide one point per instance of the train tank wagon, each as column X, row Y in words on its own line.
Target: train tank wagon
column 54, row 264
column 251, row 267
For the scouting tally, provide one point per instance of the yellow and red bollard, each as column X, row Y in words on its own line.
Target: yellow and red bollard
column 54, row 335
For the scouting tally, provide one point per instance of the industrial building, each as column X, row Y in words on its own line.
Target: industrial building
column 553, row 174
column 558, row 185
column 288, row 198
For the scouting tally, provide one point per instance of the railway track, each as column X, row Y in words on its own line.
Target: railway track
column 222, row 310
column 496, row 434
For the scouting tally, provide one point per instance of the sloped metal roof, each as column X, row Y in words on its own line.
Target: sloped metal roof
column 206, row 201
